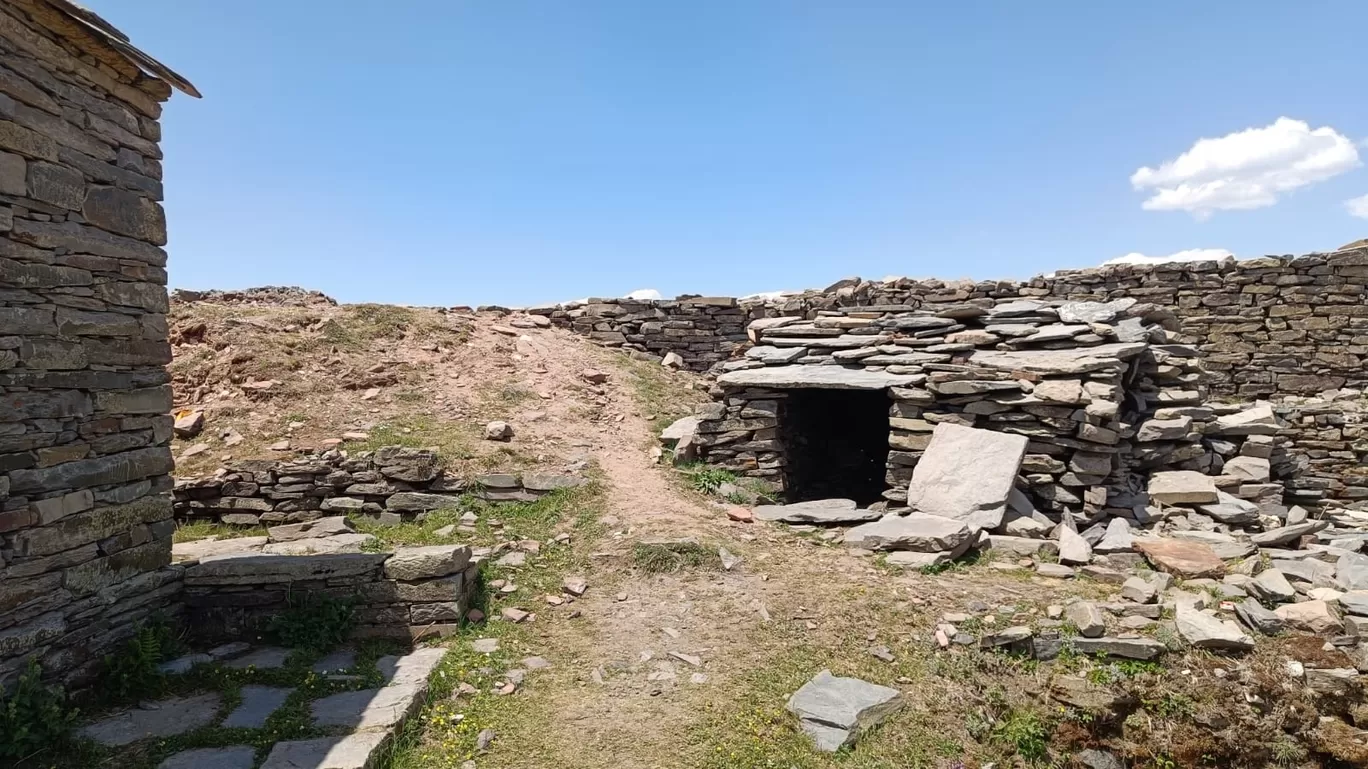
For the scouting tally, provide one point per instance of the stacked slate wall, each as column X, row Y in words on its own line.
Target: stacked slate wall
column 1267, row 327
column 392, row 483
column 85, row 507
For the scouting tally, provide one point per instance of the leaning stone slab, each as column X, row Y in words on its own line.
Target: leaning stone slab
column 235, row 757
column 1183, row 487
column 410, row 563
column 321, row 527
column 1257, row 618
column 816, row 511
column 411, row 668
column 1231, row 509
column 1351, row 571
column 258, row 703
column 833, row 711
column 170, row 717
column 1355, row 602
column 679, row 430
column 257, row 569
column 368, row 709
column 1287, row 534
column 354, row 751
column 966, row 474
column 910, row 560
column 1129, row 648
column 820, row 377
column 916, row 531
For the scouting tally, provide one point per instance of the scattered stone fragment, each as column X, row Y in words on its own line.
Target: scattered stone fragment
column 575, row 586
column 498, row 430
column 1271, row 586
column 1351, row 571
column 188, row 424
column 515, row 615
column 729, row 560
column 833, row 711
column 1310, row 616
column 1085, row 616
column 1139, row 590
column 1073, row 549
column 1206, row 631
column 1286, row 534
column 1055, row 570
column 1117, row 539
column 828, row 511
column 1128, row 648
column 485, row 645
column 916, row 531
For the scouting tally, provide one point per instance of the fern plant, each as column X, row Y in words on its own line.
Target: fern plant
column 132, row 672
column 33, row 717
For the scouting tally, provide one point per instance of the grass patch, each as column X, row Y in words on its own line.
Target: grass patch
column 671, row 556
column 452, row 440
column 194, row 530
column 663, row 395
column 356, row 326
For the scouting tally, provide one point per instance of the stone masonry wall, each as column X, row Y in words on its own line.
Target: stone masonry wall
column 85, row 508
column 1267, row 327
column 409, row 594
column 391, row 483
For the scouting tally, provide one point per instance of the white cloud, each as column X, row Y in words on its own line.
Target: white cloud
column 1246, row 169
column 1357, row 206
column 1190, row 255
column 643, row 294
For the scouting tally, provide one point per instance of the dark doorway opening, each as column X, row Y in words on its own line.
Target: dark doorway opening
column 835, row 443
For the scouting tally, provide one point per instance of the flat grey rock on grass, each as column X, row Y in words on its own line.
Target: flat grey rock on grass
column 834, row 710
column 816, row 511
column 258, row 703
column 235, row 757
column 966, row 474
column 265, row 658
column 354, row 751
column 383, row 708
column 164, row 718
column 916, row 531
column 1128, row 648
column 342, row 659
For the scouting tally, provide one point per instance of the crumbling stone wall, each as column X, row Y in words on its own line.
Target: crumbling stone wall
column 392, row 483
column 1267, row 327
column 85, row 508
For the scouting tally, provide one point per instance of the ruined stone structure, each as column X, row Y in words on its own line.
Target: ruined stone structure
column 392, row 483
column 1266, row 327
column 85, row 508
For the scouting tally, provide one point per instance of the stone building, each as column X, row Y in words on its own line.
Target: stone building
column 85, row 508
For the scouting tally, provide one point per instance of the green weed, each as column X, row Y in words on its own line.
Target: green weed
column 33, row 717
column 313, row 621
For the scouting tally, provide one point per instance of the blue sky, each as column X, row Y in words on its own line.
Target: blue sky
column 513, row 152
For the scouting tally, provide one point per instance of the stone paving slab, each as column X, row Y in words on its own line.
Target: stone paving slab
column 165, row 718
column 265, row 658
column 368, row 709
column 342, row 659
column 235, row 757
column 354, row 751
column 412, row 668
column 258, row 703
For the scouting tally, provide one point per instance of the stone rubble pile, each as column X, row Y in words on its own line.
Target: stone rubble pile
column 392, row 483
column 701, row 331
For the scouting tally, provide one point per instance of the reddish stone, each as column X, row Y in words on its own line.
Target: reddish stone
column 1181, row 557
column 739, row 513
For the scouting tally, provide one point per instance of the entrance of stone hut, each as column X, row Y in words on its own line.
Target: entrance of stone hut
column 835, row 444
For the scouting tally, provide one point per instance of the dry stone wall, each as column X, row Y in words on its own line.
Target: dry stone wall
column 85, row 507
column 1268, row 327
column 392, row 483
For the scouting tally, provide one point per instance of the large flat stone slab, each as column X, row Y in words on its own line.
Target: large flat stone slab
column 410, row 563
column 203, row 548
column 165, row 718
column 354, row 751
column 1183, row 487
column 258, row 703
column 816, row 511
column 265, row 658
column 235, row 757
column 260, row 569
column 820, row 377
column 338, row 543
column 966, row 474
column 383, row 708
column 1059, row 362
column 1206, row 631
column 916, row 531
column 411, row 668
column 833, row 710
column 1180, row 557
column 319, row 527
